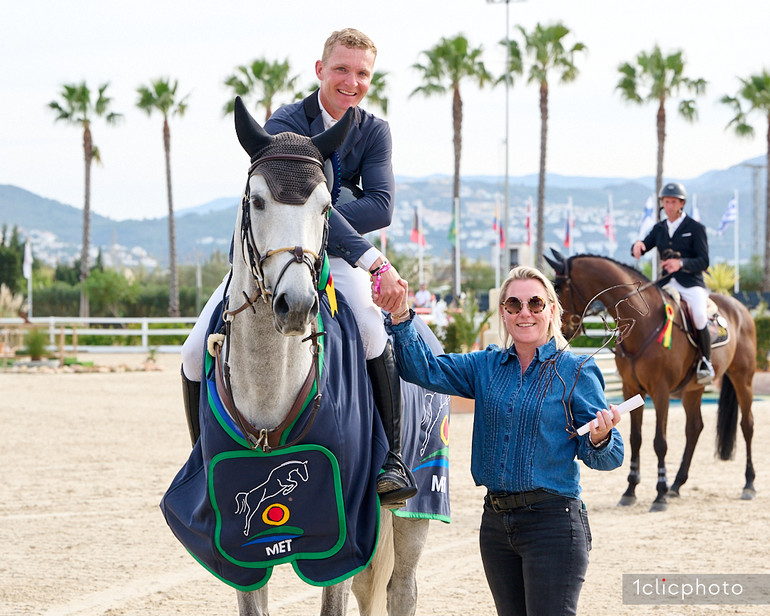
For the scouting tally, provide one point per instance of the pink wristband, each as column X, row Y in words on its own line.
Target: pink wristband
column 377, row 275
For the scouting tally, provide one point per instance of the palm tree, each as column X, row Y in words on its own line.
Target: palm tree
column 446, row 65
column 545, row 48
column 377, row 96
column 755, row 92
column 161, row 95
column 76, row 107
column 261, row 79
column 664, row 78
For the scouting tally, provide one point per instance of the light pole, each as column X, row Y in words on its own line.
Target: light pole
column 505, row 262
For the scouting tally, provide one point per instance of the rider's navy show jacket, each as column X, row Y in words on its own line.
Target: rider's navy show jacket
column 690, row 241
column 365, row 155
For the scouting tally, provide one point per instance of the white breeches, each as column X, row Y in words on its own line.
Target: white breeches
column 192, row 349
column 352, row 282
column 697, row 297
column 355, row 285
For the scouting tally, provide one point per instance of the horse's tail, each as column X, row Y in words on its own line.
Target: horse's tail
column 240, row 502
column 727, row 419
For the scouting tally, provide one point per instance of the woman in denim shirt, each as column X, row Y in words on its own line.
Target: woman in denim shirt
column 530, row 399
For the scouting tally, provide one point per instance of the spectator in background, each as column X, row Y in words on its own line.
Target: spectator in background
column 423, row 298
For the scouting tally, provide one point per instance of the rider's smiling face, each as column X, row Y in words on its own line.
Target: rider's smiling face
column 345, row 78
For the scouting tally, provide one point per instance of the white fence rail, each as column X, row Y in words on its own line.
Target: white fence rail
column 59, row 327
column 73, row 328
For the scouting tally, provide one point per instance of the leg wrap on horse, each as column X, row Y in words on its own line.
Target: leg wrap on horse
column 396, row 483
column 191, row 394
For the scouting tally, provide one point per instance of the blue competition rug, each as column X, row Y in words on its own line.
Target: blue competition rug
column 240, row 512
column 425, row 443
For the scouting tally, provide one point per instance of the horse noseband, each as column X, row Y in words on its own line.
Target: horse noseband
column 254, row 259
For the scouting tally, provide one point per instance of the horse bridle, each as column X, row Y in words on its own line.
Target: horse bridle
column 264, row 439
column 255, row 260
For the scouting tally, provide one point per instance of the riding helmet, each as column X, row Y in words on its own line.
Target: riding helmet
column 673, row 189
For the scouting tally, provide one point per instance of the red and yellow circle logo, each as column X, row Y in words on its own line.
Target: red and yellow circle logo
column 445, row 430
column 276, row 515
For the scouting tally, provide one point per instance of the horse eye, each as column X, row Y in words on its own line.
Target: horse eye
column 257, row 202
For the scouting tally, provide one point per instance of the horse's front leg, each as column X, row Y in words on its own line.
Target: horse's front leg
column 634, row 475
column 409, row 537
column 334, row 599
column 253, row 603
column 691, row 402
column 660, row 446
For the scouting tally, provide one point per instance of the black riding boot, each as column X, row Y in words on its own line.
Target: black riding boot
column 705, row 372
column 191, row 394
column 396, row 483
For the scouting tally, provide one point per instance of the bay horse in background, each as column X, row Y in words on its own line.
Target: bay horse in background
column 648, row 368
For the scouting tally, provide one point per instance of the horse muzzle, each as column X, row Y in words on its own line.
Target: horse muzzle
column 293, row 313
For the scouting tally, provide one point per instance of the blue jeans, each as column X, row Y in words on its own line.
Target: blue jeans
column 535, row 557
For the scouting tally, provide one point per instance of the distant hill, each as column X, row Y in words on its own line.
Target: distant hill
column 55, row 228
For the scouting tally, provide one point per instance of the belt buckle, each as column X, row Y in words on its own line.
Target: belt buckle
column 493, row 501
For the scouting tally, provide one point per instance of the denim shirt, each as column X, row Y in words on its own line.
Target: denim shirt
column 520, row 441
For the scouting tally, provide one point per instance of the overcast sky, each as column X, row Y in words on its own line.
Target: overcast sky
column 592, row 131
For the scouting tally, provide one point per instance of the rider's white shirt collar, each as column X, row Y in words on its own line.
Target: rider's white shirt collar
column 673, row 226
column 329, row 121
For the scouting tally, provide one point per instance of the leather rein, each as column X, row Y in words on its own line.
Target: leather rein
column 270, row 439
column 619, row 350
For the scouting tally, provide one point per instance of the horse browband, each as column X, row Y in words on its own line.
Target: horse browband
column 297, row 157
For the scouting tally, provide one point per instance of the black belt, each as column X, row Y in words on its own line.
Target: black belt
column 505, row 502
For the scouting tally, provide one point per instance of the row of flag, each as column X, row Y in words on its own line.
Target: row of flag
column 648, row 220
column 418, row 237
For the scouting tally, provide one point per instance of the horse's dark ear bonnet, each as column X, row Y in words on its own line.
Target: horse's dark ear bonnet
column 292, row 185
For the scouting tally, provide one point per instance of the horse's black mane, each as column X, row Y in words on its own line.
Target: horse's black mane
column 625, row 266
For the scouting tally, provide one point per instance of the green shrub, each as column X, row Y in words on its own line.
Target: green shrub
column 35, row 342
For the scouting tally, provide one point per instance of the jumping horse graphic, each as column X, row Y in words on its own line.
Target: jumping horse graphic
column 279, row 481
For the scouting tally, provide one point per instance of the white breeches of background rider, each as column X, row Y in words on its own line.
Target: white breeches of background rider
column 697, row 297
column 352, row 282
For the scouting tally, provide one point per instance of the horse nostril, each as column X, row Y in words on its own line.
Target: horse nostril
column 314, row 309
column 281, row 306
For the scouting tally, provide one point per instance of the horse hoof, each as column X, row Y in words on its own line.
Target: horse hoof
column 658, row 506
column 748, row 494
column 627, row 501
column 673, row 492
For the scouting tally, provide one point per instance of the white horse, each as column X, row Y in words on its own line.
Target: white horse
column 273, row 306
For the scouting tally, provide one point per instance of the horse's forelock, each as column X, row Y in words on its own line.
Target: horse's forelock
column 290, row 181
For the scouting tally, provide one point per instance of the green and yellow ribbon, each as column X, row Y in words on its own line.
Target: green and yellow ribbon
column 326, row 283
column 668, row 327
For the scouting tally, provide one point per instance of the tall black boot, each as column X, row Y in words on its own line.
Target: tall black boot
column 396, row 483
column 191, row 394
column 705, row 372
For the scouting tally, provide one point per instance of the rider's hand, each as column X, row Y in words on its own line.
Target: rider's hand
column 392, row 292
column 638, row 249
column 671, row 265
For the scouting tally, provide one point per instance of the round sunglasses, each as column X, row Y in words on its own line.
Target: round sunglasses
column 535, row 304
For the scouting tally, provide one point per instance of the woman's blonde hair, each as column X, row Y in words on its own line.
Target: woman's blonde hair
column 522, row 272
